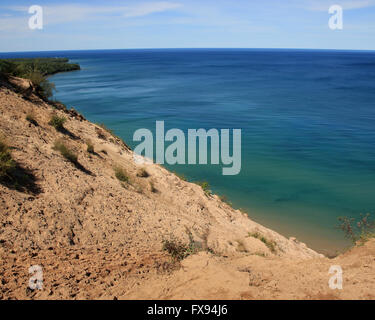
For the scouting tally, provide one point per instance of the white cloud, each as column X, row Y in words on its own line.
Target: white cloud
column 13, row 24
column 57, row 14
column 323, row 5
column 149, row 8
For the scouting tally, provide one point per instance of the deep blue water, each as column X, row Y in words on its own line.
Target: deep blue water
column 307, row 120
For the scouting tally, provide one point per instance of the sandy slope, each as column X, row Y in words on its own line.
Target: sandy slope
column 96, row 238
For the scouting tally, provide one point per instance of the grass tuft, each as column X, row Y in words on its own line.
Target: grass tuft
column 65, row 152
column 177, row 249
column 7, row 164
column 269, row 243
column 121, row 174
column 57, row 122
column 90, row 147
column 205, row 186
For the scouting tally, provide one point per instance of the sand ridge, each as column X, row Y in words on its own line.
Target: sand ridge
column 99, row 238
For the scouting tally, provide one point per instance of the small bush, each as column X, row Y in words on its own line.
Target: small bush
column 7, row 67
column 43, row 87
column 7, row 164
column 142, row 173
column 57, row 122
column 65, row 152
column 205, row 186
column 90, row 147
column 37, row 69
column 121, row 175
column 177, row 249
column 269, row 243
column 46, row 89
column 358, row 231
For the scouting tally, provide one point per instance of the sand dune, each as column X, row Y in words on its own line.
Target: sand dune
column 99, row 238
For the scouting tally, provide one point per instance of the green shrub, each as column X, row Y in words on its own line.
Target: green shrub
column 121, row 175
column 177, row 249
column 269, row 243
column 36, row 69
column 90, row 147
column 65, row 152
column 57, row 122
column 7, row 67
column 205, row 186
column 35, row 77
column 358, row 231
column 43, row 87
column 46, row 89
column 7, row 164
column 21, row 67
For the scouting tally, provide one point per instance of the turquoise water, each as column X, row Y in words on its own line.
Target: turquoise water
column 307, row 120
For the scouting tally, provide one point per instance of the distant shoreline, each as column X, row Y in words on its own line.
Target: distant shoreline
column 46, row 66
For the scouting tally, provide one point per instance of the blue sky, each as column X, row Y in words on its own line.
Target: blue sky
column 110, row 24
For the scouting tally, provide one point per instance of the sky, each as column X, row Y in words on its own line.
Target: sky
column 128, row 24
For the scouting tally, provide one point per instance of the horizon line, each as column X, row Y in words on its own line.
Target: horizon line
column 190, row 48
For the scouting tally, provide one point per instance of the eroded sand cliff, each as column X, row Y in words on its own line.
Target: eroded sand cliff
column 97, row 237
